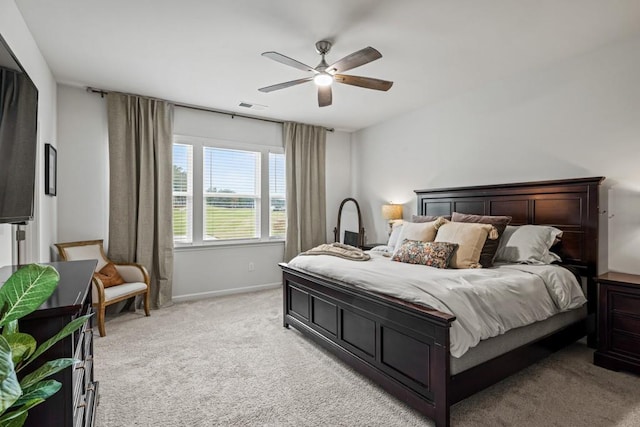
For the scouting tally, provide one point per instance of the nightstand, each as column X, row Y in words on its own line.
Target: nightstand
column 618, row 322
column 369, row 246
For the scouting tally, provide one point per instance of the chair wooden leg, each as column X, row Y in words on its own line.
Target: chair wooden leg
column 146, row 304
column 101, row 328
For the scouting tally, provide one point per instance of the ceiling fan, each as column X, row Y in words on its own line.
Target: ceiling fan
column 324, row 75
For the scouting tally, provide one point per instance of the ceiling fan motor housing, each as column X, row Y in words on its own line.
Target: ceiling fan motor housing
column 323, row 47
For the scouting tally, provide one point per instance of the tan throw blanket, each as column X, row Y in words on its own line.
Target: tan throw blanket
column 340, row 250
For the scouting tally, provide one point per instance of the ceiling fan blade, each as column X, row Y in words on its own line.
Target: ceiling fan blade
column 356, row 59
column 278, row 57
column 324, row 96
column 285, row 84
column 365, row 82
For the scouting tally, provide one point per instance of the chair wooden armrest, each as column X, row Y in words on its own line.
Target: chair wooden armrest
column 97, row 290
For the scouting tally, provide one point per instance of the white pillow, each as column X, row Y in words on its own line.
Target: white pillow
column 528, row 244
column 385, row 250
column 422, row 231
column 395, row 234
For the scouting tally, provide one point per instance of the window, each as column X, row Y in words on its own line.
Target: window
column 277, row 206
column 227, row 192
column 182, row 192
column 231, row 194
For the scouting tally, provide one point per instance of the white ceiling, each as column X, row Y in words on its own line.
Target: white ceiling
column 207, row 52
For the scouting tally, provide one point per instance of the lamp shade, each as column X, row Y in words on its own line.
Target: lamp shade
column 391, row 212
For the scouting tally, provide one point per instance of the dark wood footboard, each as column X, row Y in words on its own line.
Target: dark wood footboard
column 402, row 347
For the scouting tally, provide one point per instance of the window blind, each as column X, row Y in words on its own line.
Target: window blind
column 182, row 192
column 231, row 194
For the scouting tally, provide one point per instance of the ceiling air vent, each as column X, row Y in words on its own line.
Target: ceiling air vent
column 252, row 106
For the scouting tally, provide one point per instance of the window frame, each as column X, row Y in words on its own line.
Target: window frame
column 263, row 198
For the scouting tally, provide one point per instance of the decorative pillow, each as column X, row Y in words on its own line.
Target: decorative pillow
column 422, row 231
column 432, row 254
column 395, row 234
column 109, row 276
column 428, row 218
column 470, row 238
column 490, row 246
column 528, row 244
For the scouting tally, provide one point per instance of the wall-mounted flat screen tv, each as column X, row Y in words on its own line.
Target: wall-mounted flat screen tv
column 18, row 139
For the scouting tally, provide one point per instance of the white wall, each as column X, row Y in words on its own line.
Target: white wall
column 83, row 166
column 338, row 176
column 198, row 272
column 5, row 245
column 41, row 232
column 576, row 118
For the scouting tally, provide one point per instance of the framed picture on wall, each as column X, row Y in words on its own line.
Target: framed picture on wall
column 50, row 172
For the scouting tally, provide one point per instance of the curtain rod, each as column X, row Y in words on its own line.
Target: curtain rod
column 103, row 92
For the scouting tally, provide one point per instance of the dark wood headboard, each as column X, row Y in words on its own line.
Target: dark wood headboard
column 568, row 204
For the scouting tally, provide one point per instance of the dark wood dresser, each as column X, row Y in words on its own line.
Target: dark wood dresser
column 74, row 404
column 618, row 322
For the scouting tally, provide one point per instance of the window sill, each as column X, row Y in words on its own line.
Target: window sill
column 227, row 244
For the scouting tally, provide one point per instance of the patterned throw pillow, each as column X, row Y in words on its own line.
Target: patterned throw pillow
column 433, row 254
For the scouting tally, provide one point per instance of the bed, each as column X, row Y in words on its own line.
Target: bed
column 406, row 347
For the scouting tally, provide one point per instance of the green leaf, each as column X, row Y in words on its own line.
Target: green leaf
column 15, row 415
column 22, row 346
column 48, row 368
column 17, row 421
column 10, row 389
column 10, row 328
column 26, row 290
column 69, row 328
column 41, row 390
column 4, row 306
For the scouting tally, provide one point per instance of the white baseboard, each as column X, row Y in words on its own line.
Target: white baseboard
column 211, row 294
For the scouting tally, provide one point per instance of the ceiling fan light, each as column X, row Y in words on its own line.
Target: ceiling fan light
column 323, row 79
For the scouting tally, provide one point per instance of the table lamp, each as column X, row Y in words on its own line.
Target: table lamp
column 391, row 213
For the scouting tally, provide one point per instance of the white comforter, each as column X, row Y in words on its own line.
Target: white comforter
column 486, row 302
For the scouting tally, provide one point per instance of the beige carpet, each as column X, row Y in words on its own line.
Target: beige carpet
column 229, row 362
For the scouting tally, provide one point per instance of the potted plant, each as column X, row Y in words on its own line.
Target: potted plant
column 21, row 294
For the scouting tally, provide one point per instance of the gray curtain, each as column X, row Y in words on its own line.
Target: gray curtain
column 305, row 147
column 140, row 169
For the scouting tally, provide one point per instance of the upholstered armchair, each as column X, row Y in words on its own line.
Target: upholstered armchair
column 108, row 287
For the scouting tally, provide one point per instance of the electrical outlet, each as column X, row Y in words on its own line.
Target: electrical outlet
column 252, row 267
